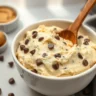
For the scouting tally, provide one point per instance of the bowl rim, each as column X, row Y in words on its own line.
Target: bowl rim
column 49, row 77
column 12, row 21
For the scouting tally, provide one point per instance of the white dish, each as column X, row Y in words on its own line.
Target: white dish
column 10, row 26
column 54, row 86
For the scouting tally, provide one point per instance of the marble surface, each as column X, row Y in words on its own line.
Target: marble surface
column 31, row 11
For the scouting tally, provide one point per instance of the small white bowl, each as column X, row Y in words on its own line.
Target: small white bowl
column 3, row 47
column 54, row 86
column 10, row 26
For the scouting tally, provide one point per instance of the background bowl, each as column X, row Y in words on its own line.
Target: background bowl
column 11, row 25
column 54, row 86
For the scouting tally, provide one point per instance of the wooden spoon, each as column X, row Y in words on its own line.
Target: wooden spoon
column 72, row 31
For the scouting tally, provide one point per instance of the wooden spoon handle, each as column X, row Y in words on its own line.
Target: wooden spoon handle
column 76, row 25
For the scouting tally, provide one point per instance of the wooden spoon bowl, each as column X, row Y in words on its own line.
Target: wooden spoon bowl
column 72, row 31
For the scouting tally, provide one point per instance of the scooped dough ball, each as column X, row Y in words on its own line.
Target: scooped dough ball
column 2, row 38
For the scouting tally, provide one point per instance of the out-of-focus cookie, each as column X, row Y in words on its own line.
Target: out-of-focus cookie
column 2, row 39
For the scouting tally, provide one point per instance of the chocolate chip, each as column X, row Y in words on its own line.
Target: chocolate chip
column 44, row 54
column 57, row 37
column 55, row 29
column 86, row 41
column 33, row 52
column 41, row 38
column 11, row 64
column 57, row 55
column 35, row 71
column 66, row 49
column 39, row 62
column 34, row 34
column 51, row 46
column 2, row 58
column 55, row 65
column 80, row 56
column 65, row 43
column 65, row 67
column 11, row 94
column 26, row 50
column 0, row 91
column 85, row 62
column 79, row 37
column 22, row 47
column 11, row 81
column 26, row 41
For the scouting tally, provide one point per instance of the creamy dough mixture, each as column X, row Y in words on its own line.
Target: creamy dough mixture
column 43, row 52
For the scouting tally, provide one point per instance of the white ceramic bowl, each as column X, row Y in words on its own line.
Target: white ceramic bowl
column 10, row 26
column 54, row 86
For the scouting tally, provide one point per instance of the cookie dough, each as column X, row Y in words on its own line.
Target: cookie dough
column 43, row 52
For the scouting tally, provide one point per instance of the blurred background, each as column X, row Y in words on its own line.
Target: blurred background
column 38, row 3
column 34, row 10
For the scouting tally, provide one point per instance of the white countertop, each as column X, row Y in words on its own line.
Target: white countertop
column 31, row 12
